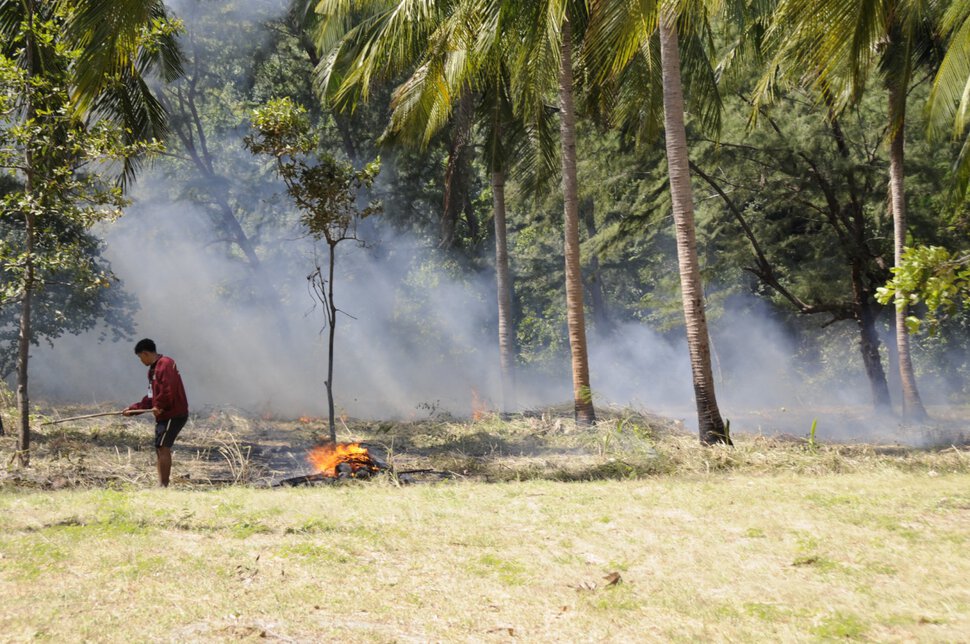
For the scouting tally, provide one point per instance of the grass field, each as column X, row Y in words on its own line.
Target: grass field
column 629, row 531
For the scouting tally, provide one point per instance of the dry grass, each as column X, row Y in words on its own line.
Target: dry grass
column 878, row 555
column 775, row 539
column 230, row 447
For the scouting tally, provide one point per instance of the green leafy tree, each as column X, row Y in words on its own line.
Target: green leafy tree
column 931, row 276
column 324, row 189
column 58, row 160
column 59, row 308
column 801, row 188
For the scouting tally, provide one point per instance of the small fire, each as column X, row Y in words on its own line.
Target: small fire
column 327, row 458
column 479, row 408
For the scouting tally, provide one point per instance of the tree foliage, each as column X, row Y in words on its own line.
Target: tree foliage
column 70, row 165
column 933, row 276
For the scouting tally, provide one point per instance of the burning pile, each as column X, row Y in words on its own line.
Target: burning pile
column 344, row 460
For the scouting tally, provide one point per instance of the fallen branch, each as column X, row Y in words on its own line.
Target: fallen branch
column 106, row 413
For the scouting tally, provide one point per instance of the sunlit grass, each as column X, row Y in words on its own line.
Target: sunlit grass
column 740, row 557
column 629, row 530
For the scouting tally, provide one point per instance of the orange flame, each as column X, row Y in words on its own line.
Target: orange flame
column 479, row 408
column 325, row 458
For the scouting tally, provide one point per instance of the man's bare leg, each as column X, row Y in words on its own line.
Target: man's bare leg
column 164, row 459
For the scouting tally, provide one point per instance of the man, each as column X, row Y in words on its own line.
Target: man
column 166, row 399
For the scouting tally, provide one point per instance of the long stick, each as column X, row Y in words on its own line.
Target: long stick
column 107, row 413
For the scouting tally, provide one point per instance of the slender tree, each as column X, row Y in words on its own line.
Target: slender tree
column 102, row 52
column 575, row 315
column 325, row 190
column 710, row 423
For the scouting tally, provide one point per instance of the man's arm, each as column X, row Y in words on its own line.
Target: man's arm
column 144, row 403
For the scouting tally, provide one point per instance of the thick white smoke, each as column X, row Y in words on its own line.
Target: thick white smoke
column 413, row 339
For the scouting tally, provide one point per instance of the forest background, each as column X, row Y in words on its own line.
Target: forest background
column 211, row 260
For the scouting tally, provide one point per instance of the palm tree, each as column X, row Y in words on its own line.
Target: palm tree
column 466, row 50
column 541, row 61
column 575, row 315
column 118, row 45
column 623, row 45
column 426, row 102
column 709, row 421
column 379, row 40
column 836, row 46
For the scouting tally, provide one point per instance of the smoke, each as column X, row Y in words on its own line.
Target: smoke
column 412, row 339
column 409, row 337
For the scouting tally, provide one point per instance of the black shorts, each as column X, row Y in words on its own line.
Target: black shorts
column 167, row 430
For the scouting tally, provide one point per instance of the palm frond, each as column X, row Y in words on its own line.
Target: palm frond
column 961, row 175
column 536, row 30
column 11, row 16
column 616, row 34
column 385, row 43
column 699, row 77
column 639, row 105
column 948, row 106
column 828, row 43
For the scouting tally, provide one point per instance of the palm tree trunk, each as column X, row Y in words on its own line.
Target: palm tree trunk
column 709, row 423
column 575, row 320
column 503, row 283
column 912, row 404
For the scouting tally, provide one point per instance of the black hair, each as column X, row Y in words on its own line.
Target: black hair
column 145, row 345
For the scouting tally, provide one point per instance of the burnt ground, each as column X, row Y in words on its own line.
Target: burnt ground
column 227, row 446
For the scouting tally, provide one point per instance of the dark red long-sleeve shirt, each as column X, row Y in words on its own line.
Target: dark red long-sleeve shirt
column 167, row 392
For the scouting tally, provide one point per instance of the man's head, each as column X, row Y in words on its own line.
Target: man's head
column 145, row 350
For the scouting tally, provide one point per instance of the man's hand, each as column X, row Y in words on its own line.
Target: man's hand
column 130, row 412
